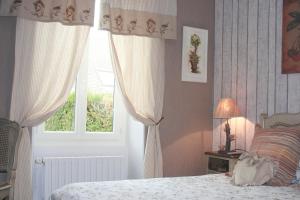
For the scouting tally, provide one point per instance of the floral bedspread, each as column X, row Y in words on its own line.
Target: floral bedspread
column 208, row 187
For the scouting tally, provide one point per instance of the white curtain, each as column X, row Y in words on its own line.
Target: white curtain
column 47, row 58
column 139, row 67
column 138, row 29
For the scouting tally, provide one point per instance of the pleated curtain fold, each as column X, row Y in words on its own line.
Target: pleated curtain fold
column 138, row 29
column 138, row 64
column 47, row 59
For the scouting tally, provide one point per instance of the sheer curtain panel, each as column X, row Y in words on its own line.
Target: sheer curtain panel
column 139, row 67
column 138, row 31
column 47, row 58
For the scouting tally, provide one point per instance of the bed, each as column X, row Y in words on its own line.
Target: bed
column 207, row 187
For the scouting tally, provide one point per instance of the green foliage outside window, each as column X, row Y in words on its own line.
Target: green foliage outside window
column 63, row 119
column 99, row 114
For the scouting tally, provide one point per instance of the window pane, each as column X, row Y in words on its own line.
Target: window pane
column 100, row 84
column 100, row 112
column 63, row 119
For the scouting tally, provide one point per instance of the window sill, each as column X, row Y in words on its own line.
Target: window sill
column 77, row 147
column 68, row 144
column 71, row 138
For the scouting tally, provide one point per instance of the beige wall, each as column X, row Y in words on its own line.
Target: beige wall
column 187, row 128
column 7, row 44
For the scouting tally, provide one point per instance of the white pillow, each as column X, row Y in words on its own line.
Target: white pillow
column 297, row 177
column 252, row 170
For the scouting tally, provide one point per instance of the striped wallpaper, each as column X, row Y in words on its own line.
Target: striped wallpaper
column 248, row 37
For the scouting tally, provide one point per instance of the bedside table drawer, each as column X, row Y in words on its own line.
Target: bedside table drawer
column 220, row 162
column 218, row 165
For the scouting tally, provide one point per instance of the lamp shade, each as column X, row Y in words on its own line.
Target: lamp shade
column 226, row 109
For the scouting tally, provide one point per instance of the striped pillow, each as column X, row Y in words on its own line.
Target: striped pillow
column 282, row 145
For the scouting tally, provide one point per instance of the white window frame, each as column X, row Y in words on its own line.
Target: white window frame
column 80, row 134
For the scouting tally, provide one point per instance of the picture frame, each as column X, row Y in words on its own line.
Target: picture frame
column 291, row 37
column 194, row 54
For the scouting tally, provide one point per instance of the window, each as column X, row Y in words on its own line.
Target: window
column 90, row 105
column 100, row 84
column 94, row 104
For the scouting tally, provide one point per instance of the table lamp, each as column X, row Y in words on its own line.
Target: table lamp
column 227, row 109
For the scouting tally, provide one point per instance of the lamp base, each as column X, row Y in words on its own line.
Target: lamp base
column 229, row 138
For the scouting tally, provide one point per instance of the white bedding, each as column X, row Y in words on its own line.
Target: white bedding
column 208, row 187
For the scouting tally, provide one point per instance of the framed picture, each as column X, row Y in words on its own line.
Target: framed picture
column 291, row 37
column 194, row 55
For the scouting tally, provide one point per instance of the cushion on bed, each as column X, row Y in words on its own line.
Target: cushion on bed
column 252, row 170
column 297, row 176
column 282, row 145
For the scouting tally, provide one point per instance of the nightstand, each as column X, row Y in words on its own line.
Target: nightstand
column 221, row 162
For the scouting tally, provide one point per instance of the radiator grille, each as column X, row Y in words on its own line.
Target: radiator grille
column 64, row 170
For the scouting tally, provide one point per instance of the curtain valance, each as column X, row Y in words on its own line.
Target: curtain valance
column 69, row 12
column 151, row 18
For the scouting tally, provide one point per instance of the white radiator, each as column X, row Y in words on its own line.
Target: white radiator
column 60, row 171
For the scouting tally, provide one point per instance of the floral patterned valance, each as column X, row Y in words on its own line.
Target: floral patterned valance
column 70, row 12
column 142, row 22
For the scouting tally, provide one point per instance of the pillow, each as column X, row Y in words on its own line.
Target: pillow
column 252, row 170
column 282, row 145
column 296, row 180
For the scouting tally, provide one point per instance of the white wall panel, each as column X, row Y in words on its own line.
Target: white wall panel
column 272, row 57
column 281, row 79
column 242, row 70
column 218, row 67
column 248, row 37
column 251, row 70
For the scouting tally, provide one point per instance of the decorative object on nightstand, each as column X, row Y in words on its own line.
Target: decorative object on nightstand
column 227, row 109
column 221, row 162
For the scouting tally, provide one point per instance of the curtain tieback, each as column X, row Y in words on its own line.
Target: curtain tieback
column 157, row 123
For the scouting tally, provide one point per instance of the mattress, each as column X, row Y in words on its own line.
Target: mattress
column 208, row 187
